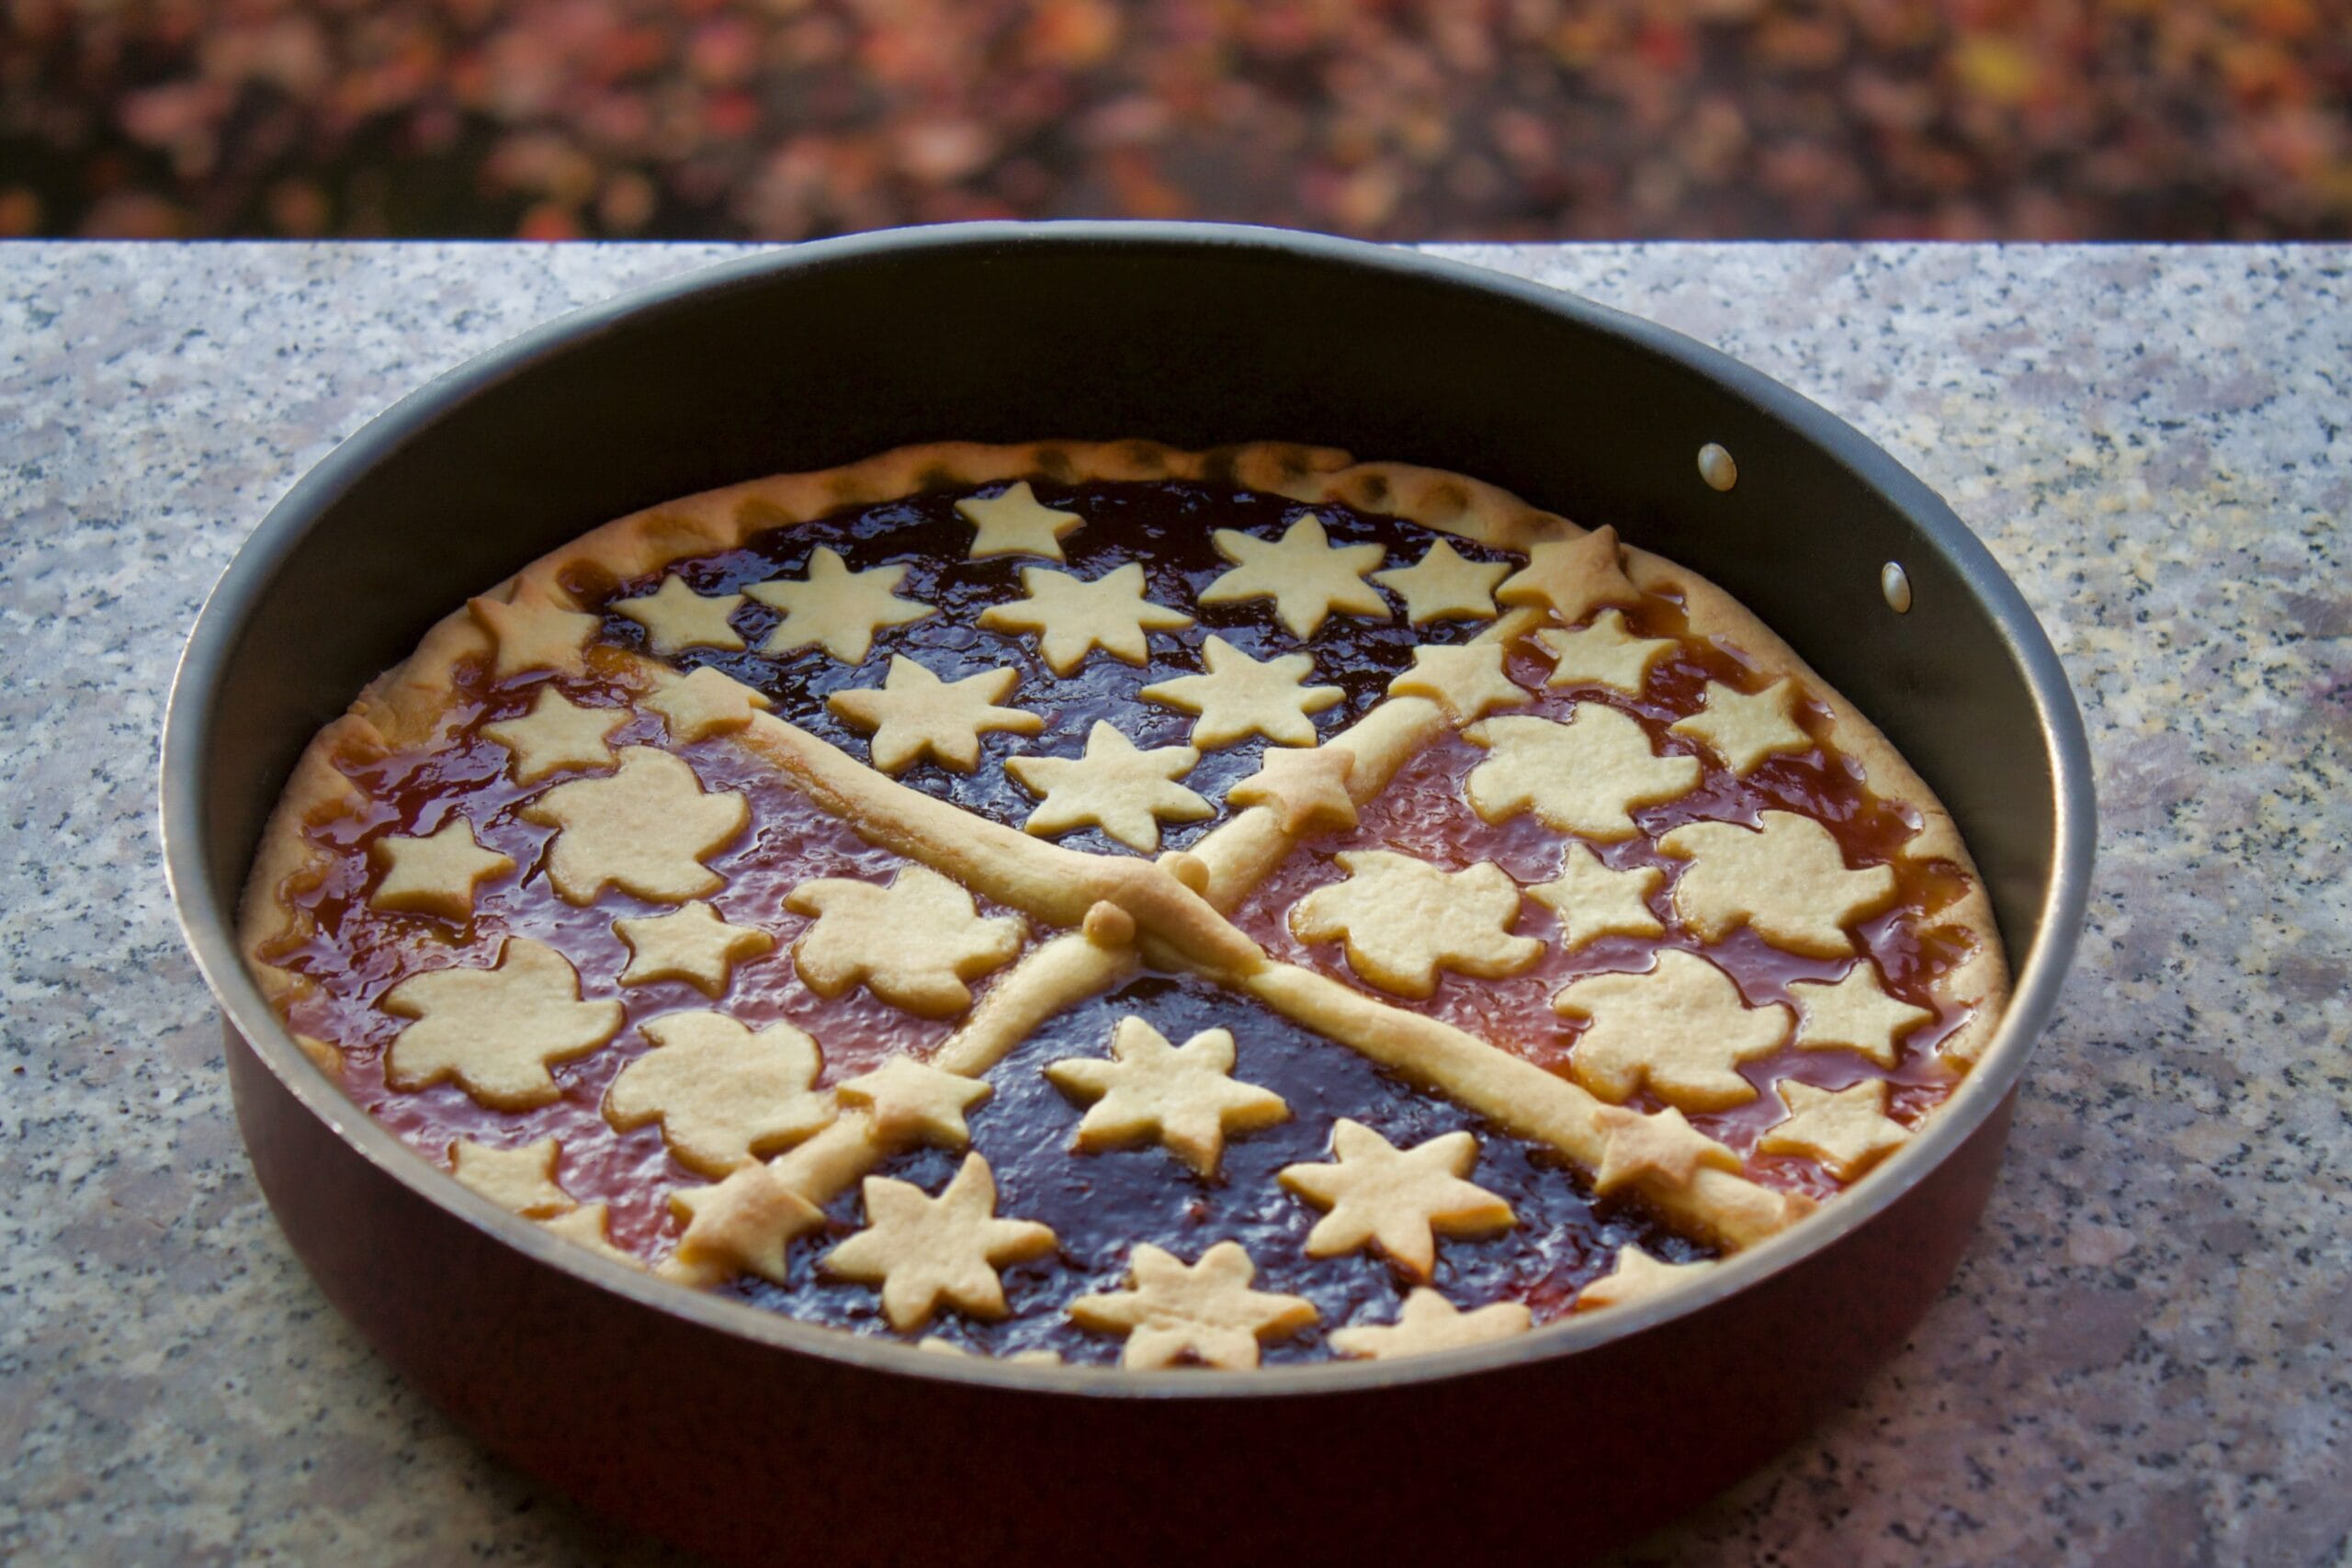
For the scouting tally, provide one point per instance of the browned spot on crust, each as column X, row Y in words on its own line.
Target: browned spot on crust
column 1371, row 492
column 938, row 476
column 1054, row 464
column 1445, row 499
column 587, row 582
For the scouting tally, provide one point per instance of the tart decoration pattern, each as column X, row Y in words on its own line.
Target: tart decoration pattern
column 1105, row 904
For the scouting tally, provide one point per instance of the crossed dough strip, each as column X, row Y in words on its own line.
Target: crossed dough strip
column 411, row 704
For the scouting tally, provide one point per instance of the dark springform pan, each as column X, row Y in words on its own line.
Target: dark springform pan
column 751, row 1437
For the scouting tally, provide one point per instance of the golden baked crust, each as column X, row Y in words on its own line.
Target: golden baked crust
column 1117, row 913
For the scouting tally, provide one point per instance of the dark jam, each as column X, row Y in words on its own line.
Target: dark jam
column 1100, row 1205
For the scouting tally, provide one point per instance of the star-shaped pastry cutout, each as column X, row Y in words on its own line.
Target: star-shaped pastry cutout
column 1602, row 654
column 1853, row 1012
column 693, row 945
column 1587, row 777
column 1592, row 901
column 497, row 1031
column 522, row 1179
column 1304, row 788
column 1185, row 1098
column 534, row 633
column 1239, row 697
column 1402, row 920
column 1846, row 1130
column 914, row 713
column 1123, row 791
column 916, row 943
column 924, row 1250
column 556, row 736
column 676, row 618
column 742, row 1225
column 646, row 830
column 722, row 1094
column 1636, row 1278
column 1073, row 617
column 1445, row 585
column 1429, row 1323
column 707, row 702
column 1787, row 878
column 586, row 1227
column 1743, row 730
column 1572, row 576
column 1305, row 574
column 1682, row 1028
column 436, row 875
column 1205, row 1310
column 1400, row 1200
column 1464, row 679
column 1016, row 524
column 908, row 1101
column 1665, row 1147
column 834, row 608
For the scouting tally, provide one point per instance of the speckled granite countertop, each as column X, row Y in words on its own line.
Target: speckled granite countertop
column 2142, row 1360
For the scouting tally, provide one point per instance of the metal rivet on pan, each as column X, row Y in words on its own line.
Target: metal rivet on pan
column 1895, row 585
column 1716, row 468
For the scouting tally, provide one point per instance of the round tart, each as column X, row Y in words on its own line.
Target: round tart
column 1105, row 903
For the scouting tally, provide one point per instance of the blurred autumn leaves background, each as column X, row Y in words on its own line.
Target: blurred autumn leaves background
column 1421, row 118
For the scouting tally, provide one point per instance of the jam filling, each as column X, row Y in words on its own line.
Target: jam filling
column 1101, row 1204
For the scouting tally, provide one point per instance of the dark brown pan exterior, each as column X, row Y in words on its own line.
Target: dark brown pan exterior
column 754, row 1438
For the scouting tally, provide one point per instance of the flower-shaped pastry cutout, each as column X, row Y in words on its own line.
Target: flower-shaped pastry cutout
column 922, row 1250
column 1205, row 1311
column 1185, row 1098
column 1399, row 1200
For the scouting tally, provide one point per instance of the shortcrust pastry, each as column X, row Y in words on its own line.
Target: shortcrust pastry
column 1103, row 903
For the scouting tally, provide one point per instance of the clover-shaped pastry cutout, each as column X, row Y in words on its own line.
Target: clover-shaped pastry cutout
column 1587, row 777
column 1682, row 1028
column 1786, row 878
column 917, row 944
column 722, row 1094
column 647, row 830
column 1403, row 919
column 497, row 1031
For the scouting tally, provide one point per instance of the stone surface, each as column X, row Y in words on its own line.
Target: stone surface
column 2142, row 1358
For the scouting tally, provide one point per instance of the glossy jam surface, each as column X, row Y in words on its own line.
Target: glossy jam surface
column 1101, row 1204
